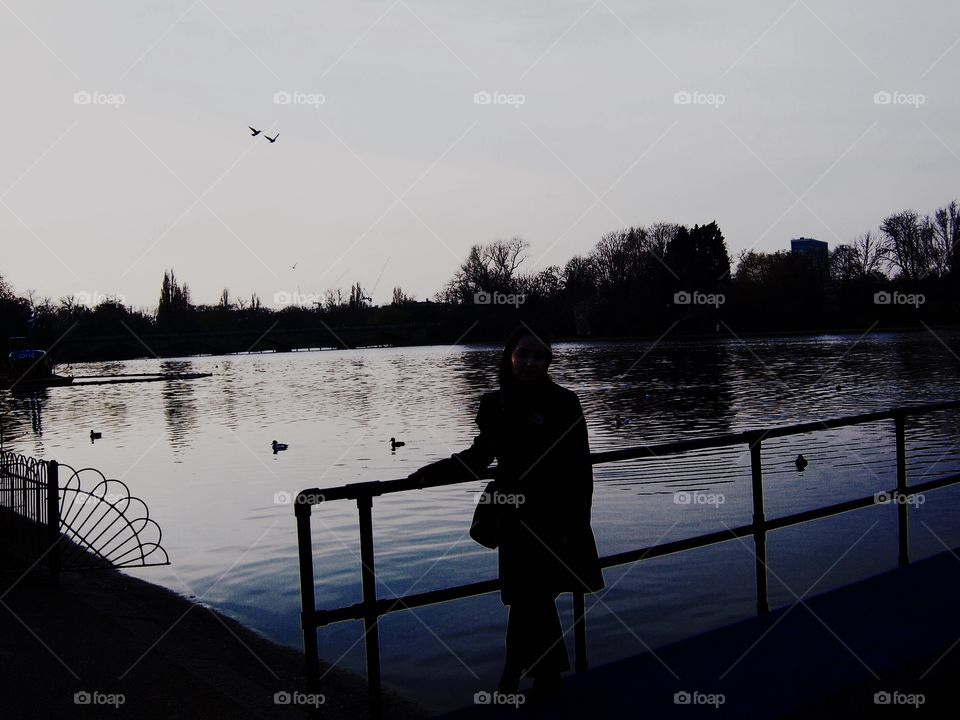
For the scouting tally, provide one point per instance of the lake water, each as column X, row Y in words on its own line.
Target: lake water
column 198, row 453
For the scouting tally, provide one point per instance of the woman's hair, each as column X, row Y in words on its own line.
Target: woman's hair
column 507, row 381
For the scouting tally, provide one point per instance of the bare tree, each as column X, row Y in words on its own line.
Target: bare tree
column 6, row 292
column 945, row 239
column 843, row 264
column 659, row 237
column 488, row 268
column 543, row 285
column 906, row 244
column 333, row 299
column 870, row 254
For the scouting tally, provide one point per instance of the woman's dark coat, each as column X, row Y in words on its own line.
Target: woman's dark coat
column 539, row 438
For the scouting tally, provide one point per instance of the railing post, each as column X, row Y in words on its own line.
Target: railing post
column 903, row 526
column 53, row 520
column 759, row 527
column 308, row 603
column 579, row 633
column 369, row 583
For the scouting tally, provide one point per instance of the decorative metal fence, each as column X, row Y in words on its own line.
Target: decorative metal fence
column 82, row 522
column 372, row 607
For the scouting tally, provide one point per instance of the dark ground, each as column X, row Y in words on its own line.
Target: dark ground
column 107, row 633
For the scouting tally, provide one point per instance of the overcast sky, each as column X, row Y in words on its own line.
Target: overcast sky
column 126, row 150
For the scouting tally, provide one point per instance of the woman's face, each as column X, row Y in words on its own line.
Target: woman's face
column 529, row 359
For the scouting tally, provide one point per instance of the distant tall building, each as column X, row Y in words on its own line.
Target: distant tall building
column 815, row 250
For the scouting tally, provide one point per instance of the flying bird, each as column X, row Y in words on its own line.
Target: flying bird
column 294, row 266
column 254, row 132
column 272, row 139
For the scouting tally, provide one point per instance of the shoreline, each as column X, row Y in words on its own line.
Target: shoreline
column 681, row 336
column 109, row 636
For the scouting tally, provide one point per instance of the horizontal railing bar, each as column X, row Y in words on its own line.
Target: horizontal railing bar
column 408, row 602
column 933, row 484
column 779, row 523
column 314, row 496
column 457, row 592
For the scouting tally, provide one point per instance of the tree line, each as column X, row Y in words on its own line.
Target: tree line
column 635, row 281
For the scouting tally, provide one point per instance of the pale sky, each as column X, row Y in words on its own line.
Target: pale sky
column 126, row 150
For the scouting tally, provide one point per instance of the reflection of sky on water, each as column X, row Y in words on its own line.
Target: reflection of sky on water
column 198, row 452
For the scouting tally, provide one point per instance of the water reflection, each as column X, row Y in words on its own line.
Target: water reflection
column 179, row 406
column 337, row 410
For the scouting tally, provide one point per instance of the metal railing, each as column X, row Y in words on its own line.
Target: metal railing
column 371, row 607
column 29, row 513
column 72, row 525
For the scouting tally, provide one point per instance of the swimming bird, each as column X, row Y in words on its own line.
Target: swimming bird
column 272, row 139
column 394, row 444
column 619, row 421
column 277, row 447
column 254, row 132
column 801, row 462
column 95, row 435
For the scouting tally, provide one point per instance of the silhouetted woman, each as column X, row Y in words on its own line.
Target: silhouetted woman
column 536, row 431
